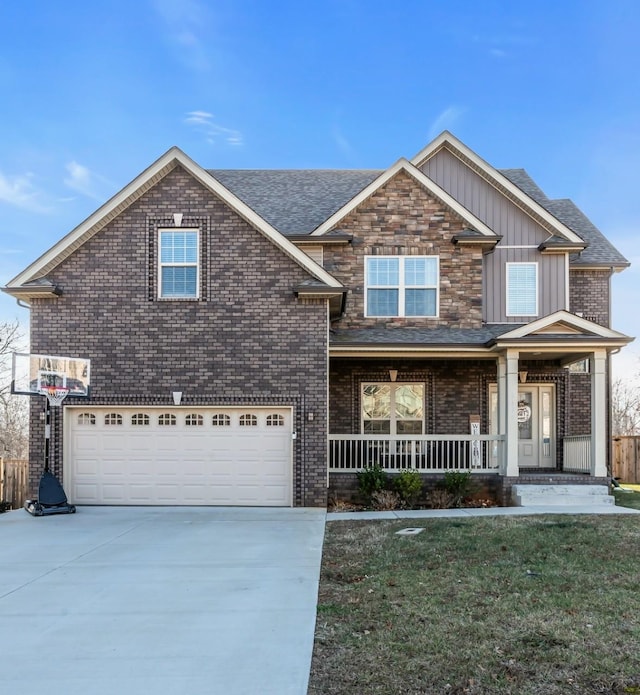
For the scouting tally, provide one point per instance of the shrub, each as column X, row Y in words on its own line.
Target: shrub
column 409, row 486
column 385, row 500
column 459, row 485
column 439, row 498
column 371, row 479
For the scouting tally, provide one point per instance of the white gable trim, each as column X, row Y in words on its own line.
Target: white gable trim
column 140, row 185
column 578, row 324
column 498, row 180
column 406, row 166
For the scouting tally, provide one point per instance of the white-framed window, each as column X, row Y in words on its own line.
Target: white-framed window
column 221, row 420
column 178, row 264
column 248, row 420
column 167, row 419
column 86, row 419
column 522, row 289
column 194, row 420
column 402, row 286
column 390, row 408
column 113, row 419
column 275, row 420
column 140, row 420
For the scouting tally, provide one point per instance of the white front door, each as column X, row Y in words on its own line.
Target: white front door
column 536, row 424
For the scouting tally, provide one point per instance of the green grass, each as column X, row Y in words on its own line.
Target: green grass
column 627, row 498
column 517, row 605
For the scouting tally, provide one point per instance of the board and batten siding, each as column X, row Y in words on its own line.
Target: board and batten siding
column 516, row 228
column 551, row 283
column 483, row 200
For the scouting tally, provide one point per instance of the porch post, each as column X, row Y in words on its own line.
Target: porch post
column 502, row 410
column 598, row 413
column 511, row 414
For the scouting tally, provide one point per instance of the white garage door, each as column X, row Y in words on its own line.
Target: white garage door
column 176, row 456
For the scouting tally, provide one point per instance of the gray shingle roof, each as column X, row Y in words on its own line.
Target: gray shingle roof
column 295, row 201
column 439, row 335
column 600, row 250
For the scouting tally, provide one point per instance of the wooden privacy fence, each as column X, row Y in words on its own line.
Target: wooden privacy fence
column 626, row 459
column 13, row 482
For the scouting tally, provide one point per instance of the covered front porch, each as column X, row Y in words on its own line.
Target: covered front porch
column 529, row 401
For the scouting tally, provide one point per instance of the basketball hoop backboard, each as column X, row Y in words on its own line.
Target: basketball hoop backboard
column 32, row 373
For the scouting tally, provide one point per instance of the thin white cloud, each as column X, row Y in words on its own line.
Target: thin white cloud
column 20, row 192
column 81, row 179
column 446, row 120
column 341, row 141
column 185, row 22
column 203, row 122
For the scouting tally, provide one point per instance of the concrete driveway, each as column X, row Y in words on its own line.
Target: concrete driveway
column 136, row 600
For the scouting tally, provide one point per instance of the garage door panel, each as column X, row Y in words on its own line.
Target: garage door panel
column 114, row 461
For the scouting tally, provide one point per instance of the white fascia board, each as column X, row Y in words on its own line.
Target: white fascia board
column 134, row 190
column 446, row 139
column 404, row 165
column 577, row 322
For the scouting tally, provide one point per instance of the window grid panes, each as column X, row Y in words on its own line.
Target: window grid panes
column 178, row 253
column 221, row 420
column 194, row 420
column 392, row 408
column 167, row 419
column 522, row 289
column 86, row 419
column 275, row 420
column 140, row 420
column 113, row 419
column 248, row 421
column 398, row 286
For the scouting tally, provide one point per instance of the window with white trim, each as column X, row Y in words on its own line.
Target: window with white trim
column 522, row 289
column 113, row 419
column 248, row 420
column 194, row 420
column 178, row 267
column 167, row 419
column 402, row 286
column 390, row 408
column 140, row 420
column 221, row 420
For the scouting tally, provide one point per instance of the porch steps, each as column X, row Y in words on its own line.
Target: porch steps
column 561, row 496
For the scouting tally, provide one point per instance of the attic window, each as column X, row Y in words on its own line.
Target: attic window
column 178, row 252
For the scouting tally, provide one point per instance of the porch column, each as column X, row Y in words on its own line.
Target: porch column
column 502, row 409
column 511, row 413
column 598, row 413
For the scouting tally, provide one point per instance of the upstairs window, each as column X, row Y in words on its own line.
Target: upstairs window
column 178, row 276
column 522, row 289
column 402, row 286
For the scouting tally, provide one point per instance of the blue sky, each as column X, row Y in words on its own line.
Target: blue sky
column 92, row 93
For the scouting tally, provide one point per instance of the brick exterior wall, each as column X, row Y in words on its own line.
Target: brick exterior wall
column 401, row 218
column 248, row 340
column 589, row 292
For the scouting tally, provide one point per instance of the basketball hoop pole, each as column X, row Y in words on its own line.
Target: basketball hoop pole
column 54, row 396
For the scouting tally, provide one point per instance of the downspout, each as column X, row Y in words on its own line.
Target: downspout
column 610, row 411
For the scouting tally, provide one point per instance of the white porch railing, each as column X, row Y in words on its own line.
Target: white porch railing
column 577, row 453
column 426, row 453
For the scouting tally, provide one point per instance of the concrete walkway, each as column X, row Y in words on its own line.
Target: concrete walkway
column 173, row 600
column 489, row 511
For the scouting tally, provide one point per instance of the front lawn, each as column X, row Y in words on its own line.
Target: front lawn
column 518, row 605
column 627, row 498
